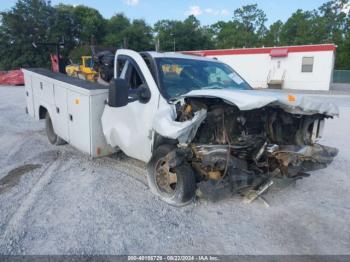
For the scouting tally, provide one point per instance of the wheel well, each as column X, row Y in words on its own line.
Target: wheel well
column 42, row 112
column 160, row 140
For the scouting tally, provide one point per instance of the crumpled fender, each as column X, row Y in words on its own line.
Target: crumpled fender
column 164, row 124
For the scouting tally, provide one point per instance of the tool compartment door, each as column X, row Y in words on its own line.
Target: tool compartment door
column 79, row 121
column 43, row 90
column 60, row 119
column 28, row 89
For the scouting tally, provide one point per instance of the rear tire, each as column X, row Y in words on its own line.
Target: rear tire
column 50, row 132
column 179, row 193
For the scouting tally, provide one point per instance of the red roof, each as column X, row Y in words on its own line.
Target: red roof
column 279, row 52
column 264, row 50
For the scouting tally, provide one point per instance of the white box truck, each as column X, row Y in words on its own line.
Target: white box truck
column 195, row 122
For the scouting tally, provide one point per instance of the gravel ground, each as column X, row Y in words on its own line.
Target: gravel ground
column 55, row 200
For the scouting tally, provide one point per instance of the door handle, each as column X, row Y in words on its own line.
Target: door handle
column 70, row 117
column 57, row 110
column 27, row 94
column 41, row 85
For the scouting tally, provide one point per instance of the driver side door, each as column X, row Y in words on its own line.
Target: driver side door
column 130, row 127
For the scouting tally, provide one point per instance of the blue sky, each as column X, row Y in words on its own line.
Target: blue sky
column 207, row 11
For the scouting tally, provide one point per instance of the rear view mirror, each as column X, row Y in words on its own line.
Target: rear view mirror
column 118, row 93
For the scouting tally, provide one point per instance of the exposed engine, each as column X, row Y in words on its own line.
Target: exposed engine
column 248, row 147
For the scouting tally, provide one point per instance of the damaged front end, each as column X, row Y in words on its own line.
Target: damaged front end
column 235, row 150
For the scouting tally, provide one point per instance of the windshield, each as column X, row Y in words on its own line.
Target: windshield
column 179, row 76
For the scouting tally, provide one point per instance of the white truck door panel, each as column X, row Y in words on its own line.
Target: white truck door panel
column 60, row 118
column 130, row 127
column 79, row 121
column 28, row 89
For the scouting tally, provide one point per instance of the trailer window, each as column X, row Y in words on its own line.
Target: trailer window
column 307, row 64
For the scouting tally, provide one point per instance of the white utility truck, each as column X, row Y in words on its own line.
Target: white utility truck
column 195, row 122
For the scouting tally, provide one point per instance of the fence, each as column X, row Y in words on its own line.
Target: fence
column 341, row 76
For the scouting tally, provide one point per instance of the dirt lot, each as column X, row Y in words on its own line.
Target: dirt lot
column 55, row 200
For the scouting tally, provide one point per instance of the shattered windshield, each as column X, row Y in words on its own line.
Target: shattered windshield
column 179, row 76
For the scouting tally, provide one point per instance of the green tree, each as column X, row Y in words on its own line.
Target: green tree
column 251, row 22
column 226, row 34
column 26, row 22
column 138, row 36
column 115, row 28
column 299, row 29
column 174, row 35
column 273, row 35
column 246, row 29
column 64, row 26
column 333, row 26
column 90, row 24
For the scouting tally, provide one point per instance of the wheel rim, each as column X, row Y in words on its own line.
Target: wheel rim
column 166, row 178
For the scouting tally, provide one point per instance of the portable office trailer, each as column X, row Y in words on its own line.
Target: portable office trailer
column 75, row 107
column 308, row 67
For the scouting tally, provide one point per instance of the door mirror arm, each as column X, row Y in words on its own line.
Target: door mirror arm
column 120, row 94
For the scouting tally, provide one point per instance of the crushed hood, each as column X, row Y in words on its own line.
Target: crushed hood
column 255, row 99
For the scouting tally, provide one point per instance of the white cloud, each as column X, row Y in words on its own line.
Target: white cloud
column 346, row 9
column 197, row 11
column 194, row 10
column 225, row 12
column 208, row 10
column 132, row 2
column 222, row 12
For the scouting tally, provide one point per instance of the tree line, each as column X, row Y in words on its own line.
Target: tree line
column 79, row 26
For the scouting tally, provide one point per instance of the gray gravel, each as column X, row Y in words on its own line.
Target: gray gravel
column 71, row 204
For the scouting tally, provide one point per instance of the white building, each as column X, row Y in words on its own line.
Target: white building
column 308, row 67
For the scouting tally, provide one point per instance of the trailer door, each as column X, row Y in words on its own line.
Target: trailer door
column 130, row 127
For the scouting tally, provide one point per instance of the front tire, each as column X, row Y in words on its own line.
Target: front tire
column 50, row 132
column 175, row 186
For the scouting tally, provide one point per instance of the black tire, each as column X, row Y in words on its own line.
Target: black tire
column 184, row 191
column 50, row 132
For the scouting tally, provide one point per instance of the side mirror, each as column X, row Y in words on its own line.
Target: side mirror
column 144, row 94
column 118, row 93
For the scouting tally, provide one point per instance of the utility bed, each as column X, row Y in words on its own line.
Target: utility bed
column 75, row 107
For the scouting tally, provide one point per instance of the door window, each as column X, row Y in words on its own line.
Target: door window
column 134, row 78
column 121, row 67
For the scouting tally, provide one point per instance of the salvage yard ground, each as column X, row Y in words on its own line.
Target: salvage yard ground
column 55, row 200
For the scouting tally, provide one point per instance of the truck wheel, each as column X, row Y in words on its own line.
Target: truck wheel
column 50, row 132
column 176, row 186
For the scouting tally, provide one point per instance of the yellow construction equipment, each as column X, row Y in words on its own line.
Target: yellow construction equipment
column 83, row 71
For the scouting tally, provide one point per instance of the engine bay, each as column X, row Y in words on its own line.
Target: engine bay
column 249, row 148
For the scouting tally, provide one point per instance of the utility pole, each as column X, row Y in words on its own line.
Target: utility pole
column 157, row 45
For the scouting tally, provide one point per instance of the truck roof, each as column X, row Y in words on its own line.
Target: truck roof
column 179, row 55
